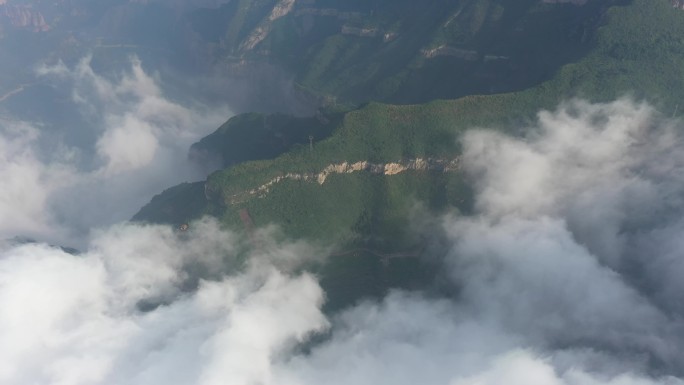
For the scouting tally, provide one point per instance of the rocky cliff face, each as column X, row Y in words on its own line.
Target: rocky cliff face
column 282, row 8
column 576, row 2
column 22, row 16
column 392, row 168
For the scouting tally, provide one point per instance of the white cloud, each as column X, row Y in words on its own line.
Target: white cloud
column 562, row 249
column 141, row 138
column 568, row 273
column 552, row 273
column 27, row 181
column 136, row 117
column 77, row 320
column 515, row 368
column 128, row 145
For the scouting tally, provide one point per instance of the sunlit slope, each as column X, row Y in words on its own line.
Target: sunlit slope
column 377, row 213
column 639, row 52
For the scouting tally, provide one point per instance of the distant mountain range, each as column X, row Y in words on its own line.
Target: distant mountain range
column 396, row 51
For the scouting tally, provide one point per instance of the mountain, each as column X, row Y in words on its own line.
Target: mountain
column 347, row 191
column 332, row 51
column 627, row 55
column 352, row 109
column 403, row 51
column 364, row 186
column 351, row 52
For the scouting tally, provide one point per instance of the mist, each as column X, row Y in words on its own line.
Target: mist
column 567, row 272
column 132, row 143
column 82, row 319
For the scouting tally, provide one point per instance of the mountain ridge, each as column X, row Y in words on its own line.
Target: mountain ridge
column 629, row 57
column 431, row 130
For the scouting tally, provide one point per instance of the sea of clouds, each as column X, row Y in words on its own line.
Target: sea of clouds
column 568, row 272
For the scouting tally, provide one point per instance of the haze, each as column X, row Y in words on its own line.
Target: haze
column 567, row 270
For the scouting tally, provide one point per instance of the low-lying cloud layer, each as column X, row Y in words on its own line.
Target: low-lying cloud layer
column 134, row 145
column 79, row 320
column 567, row 273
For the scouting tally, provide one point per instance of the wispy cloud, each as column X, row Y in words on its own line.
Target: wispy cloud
column 28, row 182
column 139, row 147
column 567, row 273
column 82, row 319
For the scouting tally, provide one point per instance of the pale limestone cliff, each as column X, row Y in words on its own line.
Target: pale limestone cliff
column 444, row 50
column 576, row 2
column 363, row 32
column 281, row 9
column 341, row 15
column 392, row 168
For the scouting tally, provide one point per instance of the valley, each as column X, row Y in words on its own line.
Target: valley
column 323, row 194
column 357, row 192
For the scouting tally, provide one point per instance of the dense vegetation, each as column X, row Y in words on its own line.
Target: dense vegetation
column 403, row 51
column 638, row 52
column 255, row 136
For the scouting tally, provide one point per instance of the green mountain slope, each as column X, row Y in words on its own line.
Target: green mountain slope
column 403, row 51
column 367, row 184
column 639, row 52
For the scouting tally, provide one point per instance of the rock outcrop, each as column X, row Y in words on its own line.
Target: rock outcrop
column 281, row 9
column 362, row 32
column 444, row 50
column 392, row 168
column 341, row 15
column 23, row 16
column 575, row 2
